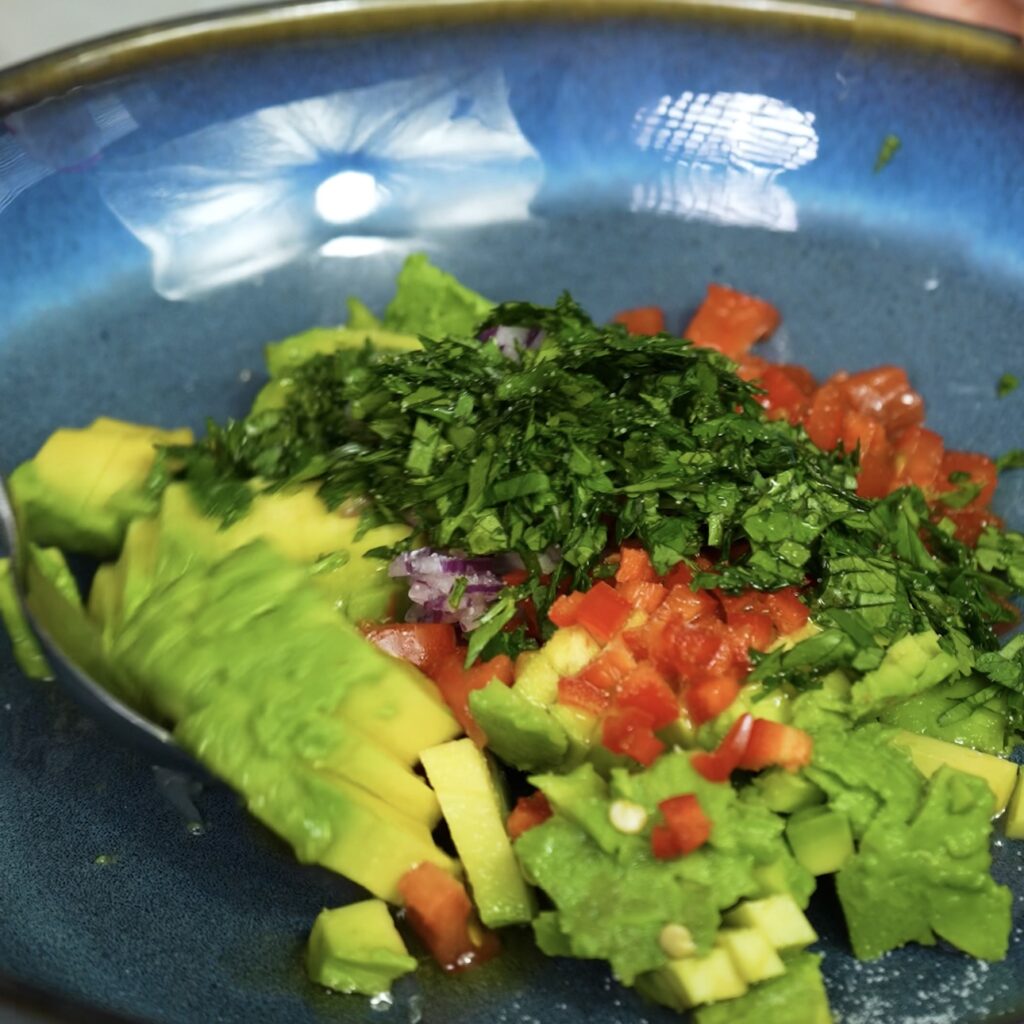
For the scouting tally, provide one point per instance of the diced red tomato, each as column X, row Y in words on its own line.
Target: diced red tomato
column 970, row 522
column 980, row 468
column 824, row 420
column 642, row 320
column 731, row 321
column 528, row 812
column 457, row 683
column 610, row 667
column 643, row 596
column 751, row 367
column 884, row 392
column 787, row 611
column 917, row 459
column 772, row 743
column 645, row 688
column 691, row 650
column 690, row 606
column 786, row 394
column 440, row 912
column 635, row 567
column 577, row 692
column 630, row 731
column 680, row 575
column 720, row 763
column 636, row 641
column 752, row 630
column 710, row 696
column 424, row 644
column 602, row 612
column 564, row 609
column 686, row 819
column 874, row 474
column 664, row 845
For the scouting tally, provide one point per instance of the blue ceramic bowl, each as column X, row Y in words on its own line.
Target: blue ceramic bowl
column 172, row 199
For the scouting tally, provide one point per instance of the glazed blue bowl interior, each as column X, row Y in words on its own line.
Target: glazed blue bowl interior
column 158, row 227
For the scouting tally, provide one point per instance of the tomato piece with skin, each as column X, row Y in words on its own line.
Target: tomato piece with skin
column 783, row 396
column 710, row 696
column 752, row 630
column 824, row 419
column 439, row 910
column 731, row 321
column 630, row 731
column 772, row 743
column 456, row 683
column 981, row 470
column 602, row 612
column 529, row 812
column 884, row 392
column 686, row 820
column 577, row 692
column 642, row 320
column 917, row 459
column 423, row 644
column 787, row 611
column 564, row 609
column 645, row 688
column 720, row 763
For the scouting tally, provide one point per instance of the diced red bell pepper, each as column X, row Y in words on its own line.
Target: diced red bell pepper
column 514, row 577
column 784, row 397
column 917, row 459
column 824, row 419
column 690, row 649
column 708, row 697
column 787, row 611
column 576, row 692
column 457, row 683
column 689, row 605
column 528, row 812
column 720, row 763
column 731, row 321
column 630, row 731
column 664, row 845
column 424, row 644
column 602, row 612
column 564, row 609
column 970, row 522
column 772, row 743
column 751, row 367
column 610, row 667
column 752, row 630
column 680, row 575
column 642, row 320
column 980, row 468
column 687, row 821
column 635, row 567
column 874, row 473
column 884, row 392
column 642, row 595
column 645, row 688
column 440, row 912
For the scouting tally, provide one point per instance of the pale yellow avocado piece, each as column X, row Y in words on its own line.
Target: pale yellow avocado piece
column 565, row 654
column 475, row 810
column 284, row 356
column 117, row 586
column 753, row 956
column 929, row 755
column 1015, row 811
column 778, row 918
column 695, row 981
column 357, row 948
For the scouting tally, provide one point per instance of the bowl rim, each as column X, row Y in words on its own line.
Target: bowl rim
column 294, row 20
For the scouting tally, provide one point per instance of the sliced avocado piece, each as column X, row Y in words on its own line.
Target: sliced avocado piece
column 357, row 948
column 785, row 792
column 475, row 809
column 820, row 839
column 360, row 316
column 1014, row 824
column 118, row 586
column 778, row 918
column 753, row 956
column 432, row 302
column 284, row 356
column 84, row 486
column 984, row 729
column 24, row 646
column 796, row 997
column 518, row 731
column 694, row 981
column 929, row 755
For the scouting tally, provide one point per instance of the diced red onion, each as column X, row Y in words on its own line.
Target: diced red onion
column 511, row 339
column 432, row 577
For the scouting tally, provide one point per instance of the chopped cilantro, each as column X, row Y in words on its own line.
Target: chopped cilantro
column 890, row 144
column 1007, row 384
column 1013, row 459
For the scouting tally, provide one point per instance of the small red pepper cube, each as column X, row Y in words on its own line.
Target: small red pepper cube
column 710, row 696
column 602, row 612
column 644, row 595
column 528, row 812
column 456, row 683
column 664, row 845
column 751, row 630
column 576, row 692
column 687, row 820
column 731, row 321
column 720, row 763
column 772, row 743
column 564, row 609
column 610, row 667
column 630, row 731
column 642, row 320
column 635, row 567
column 645, row 688
column 788, row 612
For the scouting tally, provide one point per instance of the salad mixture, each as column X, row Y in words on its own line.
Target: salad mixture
column 661, row 632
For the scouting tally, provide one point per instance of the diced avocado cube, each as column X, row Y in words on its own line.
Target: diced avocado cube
column 475, row 811
column 751, row 953
column 568, row 651
column 1015, row 812
column 912, row 665
column 582, row 797
column 929, row 755
column 695, row 981
column 518, row 731
column 778, row 918
column 821, row 839
column 357, row 949
column 785, row 792
column 785, row 875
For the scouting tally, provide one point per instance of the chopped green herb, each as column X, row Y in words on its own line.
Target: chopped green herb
column 1013, row 459
column 890, row 145
column 1008, row 383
